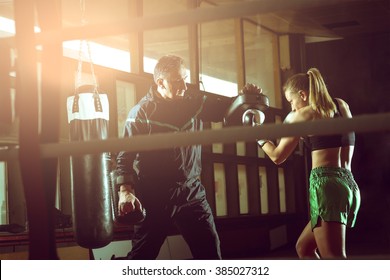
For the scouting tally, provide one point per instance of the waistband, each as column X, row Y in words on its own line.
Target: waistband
column 330, row 171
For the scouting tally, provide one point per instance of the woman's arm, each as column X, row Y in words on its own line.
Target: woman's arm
column 346, row 152
column 280, row 152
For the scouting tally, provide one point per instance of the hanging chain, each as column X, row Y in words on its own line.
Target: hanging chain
column 82, row 9
column 80, row 58
column 80, row 64
column 91, row 64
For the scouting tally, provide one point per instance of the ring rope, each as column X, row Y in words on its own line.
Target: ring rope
column 361, row 123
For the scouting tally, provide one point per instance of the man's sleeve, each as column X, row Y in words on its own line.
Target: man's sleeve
column 215, row 108
column 124, row 160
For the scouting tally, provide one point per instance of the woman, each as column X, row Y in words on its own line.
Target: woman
column 334, row 194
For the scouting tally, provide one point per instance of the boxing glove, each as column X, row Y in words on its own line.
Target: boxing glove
column 253, row 117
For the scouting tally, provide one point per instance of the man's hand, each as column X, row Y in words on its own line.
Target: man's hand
column 127, row 201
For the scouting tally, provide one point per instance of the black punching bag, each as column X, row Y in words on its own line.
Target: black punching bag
column 88, row 115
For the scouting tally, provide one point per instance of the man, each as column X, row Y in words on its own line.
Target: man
column 169, row 185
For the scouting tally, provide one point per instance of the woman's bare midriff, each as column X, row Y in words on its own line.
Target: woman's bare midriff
column 326, row 157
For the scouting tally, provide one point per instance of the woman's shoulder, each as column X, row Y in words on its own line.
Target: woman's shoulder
column 343, row 107
column 340, row 101
column 301, row 115
column 307, row 114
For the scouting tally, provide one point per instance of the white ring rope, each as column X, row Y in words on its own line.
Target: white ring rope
column 361, row 123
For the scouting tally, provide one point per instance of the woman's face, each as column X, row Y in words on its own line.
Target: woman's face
column 296, row 99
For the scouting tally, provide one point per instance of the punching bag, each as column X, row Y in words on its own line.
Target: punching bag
column 88, row 116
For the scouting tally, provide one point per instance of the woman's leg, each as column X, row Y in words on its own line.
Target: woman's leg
column 330, row 239
column 306, row 244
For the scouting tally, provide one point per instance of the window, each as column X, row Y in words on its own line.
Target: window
column 262, row 61
column 282, row 190
column 220, row 189
column 160, row 42
column 3, row 194
column 218, row 73
column 126, row 100
column 263, row 190
column 243, row 188
column 217, row 147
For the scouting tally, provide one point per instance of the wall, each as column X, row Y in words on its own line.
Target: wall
column 357, row 70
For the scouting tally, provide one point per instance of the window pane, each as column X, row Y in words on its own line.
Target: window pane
column 160, row 42
column 260, row 152
column 57, row 202
column 3, row 194
column 241, row 148
column 109, row 51
column 261, row 61
column 282, row 190
column 263, row 189
column 126, row 99
column 155, row 7
column 98, row 53
column 220, row 189
column 218, row 67
column 217, row 147
column 243, row 189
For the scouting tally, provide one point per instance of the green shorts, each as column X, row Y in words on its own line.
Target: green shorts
column 334, row 196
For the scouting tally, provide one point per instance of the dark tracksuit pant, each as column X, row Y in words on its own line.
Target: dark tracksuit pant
column 187, row 208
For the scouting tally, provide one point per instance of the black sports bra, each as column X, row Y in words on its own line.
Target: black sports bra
column 319, row 142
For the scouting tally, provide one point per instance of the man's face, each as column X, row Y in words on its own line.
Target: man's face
column 174, row 86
